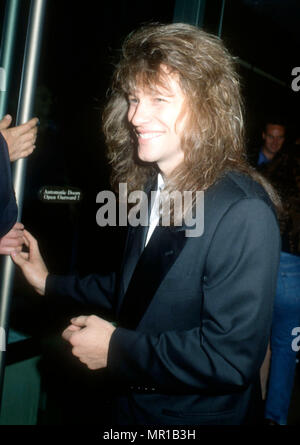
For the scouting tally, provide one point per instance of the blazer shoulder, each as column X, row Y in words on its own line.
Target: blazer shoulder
column 233, row 187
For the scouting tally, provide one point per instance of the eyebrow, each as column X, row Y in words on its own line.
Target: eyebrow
column 152, row 93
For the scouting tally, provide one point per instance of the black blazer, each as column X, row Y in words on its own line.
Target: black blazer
column 8, row 206
column 194, row 314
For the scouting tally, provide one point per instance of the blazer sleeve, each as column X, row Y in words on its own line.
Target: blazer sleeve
column 93, row 289
column 227, row 349
column 8, row 206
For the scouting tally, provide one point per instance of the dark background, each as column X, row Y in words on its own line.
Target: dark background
column 81, row 43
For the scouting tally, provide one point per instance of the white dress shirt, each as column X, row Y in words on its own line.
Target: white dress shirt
column 154, row 216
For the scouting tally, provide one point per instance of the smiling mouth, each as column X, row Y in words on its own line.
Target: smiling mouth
column 148, row 135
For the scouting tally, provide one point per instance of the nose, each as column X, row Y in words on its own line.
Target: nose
column 139, row 114
column 277, row 141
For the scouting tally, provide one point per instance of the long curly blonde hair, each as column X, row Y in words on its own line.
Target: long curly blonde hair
column 213, row 140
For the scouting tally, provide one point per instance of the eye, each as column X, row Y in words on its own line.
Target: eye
column 132, row 100
column 158, row 100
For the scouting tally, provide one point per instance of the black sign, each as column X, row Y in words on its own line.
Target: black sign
column 55, row 194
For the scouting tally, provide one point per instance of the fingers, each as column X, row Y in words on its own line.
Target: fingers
column 12, row 238
column 77, row 324
column 5, row 122
column 26, row 151
column 32, row 264
column 30, row 126
column 66, row 335
column 9, row 250
column 30, row 241
column 12, row 241
column 20, row 139
column 19, row 237
column 32, row 244
column 18, row 226
column 69, row 331
column 28, row 137
column 16, row 231
column 80, row 321
column 26, row 242
column 19, row 258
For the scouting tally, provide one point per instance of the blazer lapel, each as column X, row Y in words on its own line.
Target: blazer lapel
column 135, row 244
column 153, row 264
column 136, row 241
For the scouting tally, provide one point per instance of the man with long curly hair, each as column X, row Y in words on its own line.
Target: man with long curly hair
column 193, row 313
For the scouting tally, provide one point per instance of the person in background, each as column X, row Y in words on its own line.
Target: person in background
column 15, row 143
column 273, row 138
column 283, row 171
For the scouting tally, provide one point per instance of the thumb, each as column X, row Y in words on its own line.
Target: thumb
column 80, row 321
column 5, row 122
column 19, row 258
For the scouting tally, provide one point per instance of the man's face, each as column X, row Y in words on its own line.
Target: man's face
column 273, row 137
column 158, row 120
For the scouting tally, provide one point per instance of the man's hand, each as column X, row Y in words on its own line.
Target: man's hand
column 32, row 264
column 13, row 241
column 90, row 337
column 21, row 139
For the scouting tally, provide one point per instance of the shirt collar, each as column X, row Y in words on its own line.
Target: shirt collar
column 160, row 182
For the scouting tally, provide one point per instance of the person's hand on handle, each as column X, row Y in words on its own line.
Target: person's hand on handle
column 21, row 139
column 32, row 264
column 13, row 241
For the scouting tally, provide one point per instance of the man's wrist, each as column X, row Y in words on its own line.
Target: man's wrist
column 41, row 289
